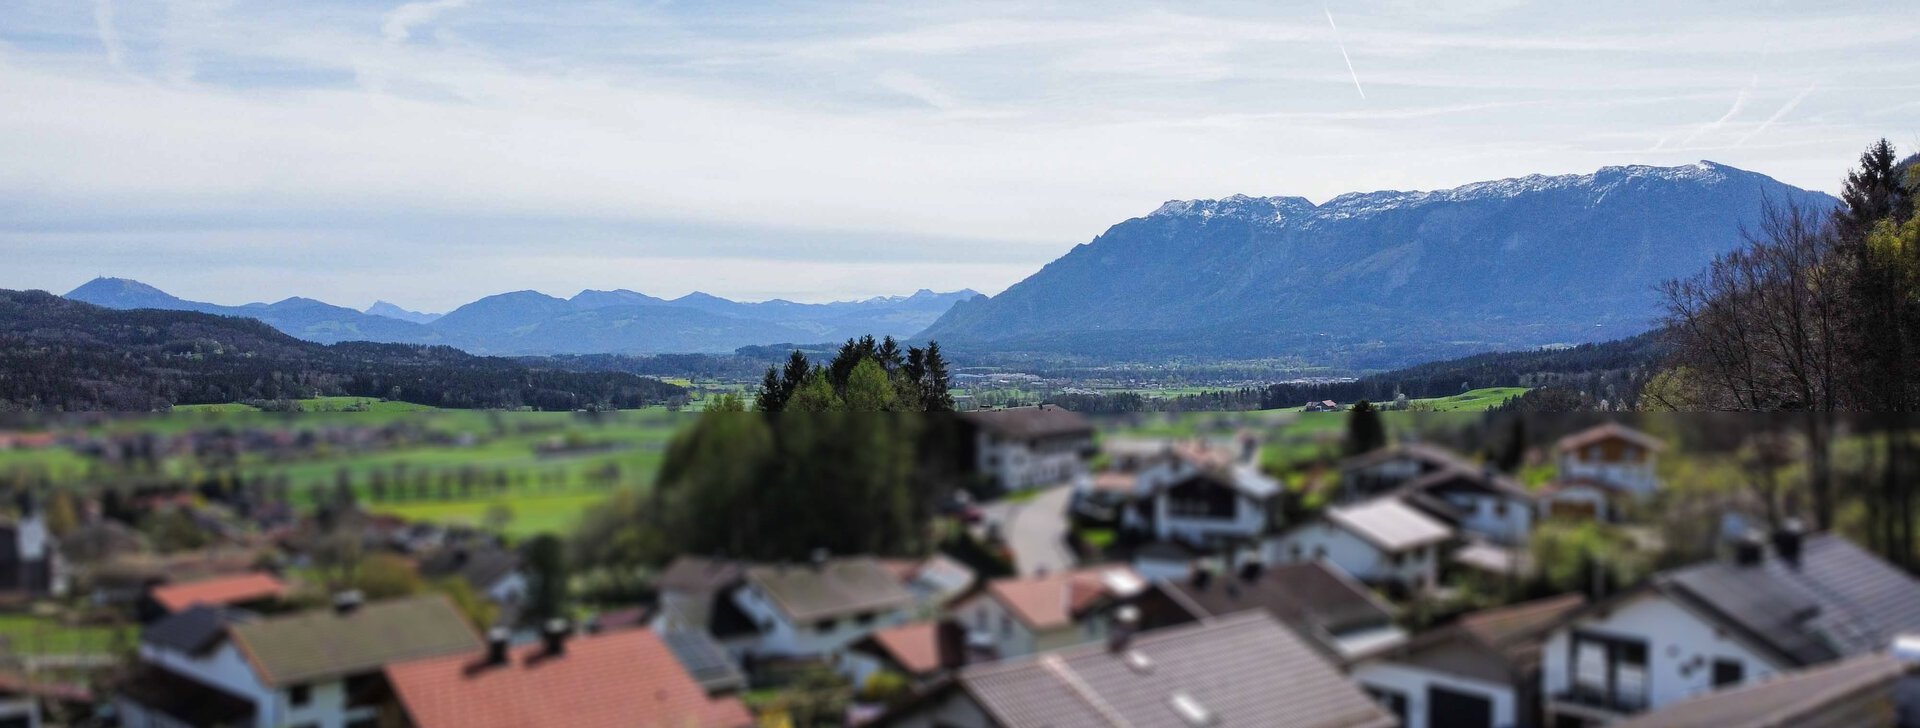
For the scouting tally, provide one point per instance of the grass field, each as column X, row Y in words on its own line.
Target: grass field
column 25, row 634
column 1474, row 400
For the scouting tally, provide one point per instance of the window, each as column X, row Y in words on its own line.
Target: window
column 1006, row 626
column 299, row 695
column 824, row 625
column 1319, row 552
column 1293, row 552
column 1728, row 672
column 863, row 619
column 1610, row 671
column 1393, row 700
column 980, row 619
column 1499, row 509
column 1397, row 560
column 367, row 722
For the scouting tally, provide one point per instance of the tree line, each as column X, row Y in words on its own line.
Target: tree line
column 864, row 376
column 61, row 355
column 1819, row 312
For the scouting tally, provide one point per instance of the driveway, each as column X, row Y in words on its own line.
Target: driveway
column 1035, row 530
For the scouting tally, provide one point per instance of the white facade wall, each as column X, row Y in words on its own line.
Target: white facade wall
column 1019, row 465
column 509, row 589
column 1582, row 494
column 1249, row 521
column 1639, row 477
column 1484, row 515
column 783, row 638
column 1675, row 637
column 1357, row 556
column 989, row 624
column 227, row 670
column 1413, row 682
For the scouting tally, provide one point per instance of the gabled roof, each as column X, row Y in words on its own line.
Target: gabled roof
column 1246, row 480
column 1841, row 601
column 1243, row 670
column 1031, row 423
column 1609, row 430
column 839, row 587
column 916, row 646
column 235, row 589
column 1390, row 524
column 700, row 575
column 1787, row 700
column 195, row 628
column 1312, row 597
column 1434, row 455
column 1452, row 478
column 705, row 660
column 1519, row 629
column 616, row 680
column 1051, row 601
column 481, row 566
column 323, row 643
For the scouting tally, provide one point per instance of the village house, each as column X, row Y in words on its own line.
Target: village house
column 1383, row 471
column 614, row 680
column 1612, row 453
column 492, row 570
column 922, row 652
column 30, row 562
column 1022, row 615
column 1483, row 503
column 1334, row 613
column 217, row 666
column 693, row 588
column 1482, row 671
column 1242, row 670
column 1806, row 601
column 1382, row 542
column 1020, row 448
column 1869, row 690
column 934, row 581
column 813, row 610
column 250, row 591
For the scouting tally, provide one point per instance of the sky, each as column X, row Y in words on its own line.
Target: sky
column 433, row 152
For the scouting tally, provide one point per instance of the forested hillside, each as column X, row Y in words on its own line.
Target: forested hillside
column 63, row 355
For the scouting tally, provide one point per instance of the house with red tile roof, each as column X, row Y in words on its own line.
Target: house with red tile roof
column 1023, row 615
column 627, row 679
column 236, row 590
column 921, row 651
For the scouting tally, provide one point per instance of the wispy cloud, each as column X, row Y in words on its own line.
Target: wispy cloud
column 1343, row 53
column 109, row 35
column 400, row 22
column 1788, row 108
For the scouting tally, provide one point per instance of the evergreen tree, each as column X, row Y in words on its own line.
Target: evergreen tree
column 1365, row 431
column 547, row 579
column 935, row 388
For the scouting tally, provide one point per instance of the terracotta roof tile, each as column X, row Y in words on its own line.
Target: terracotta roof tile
column 1054, row 600
column 1609, row 431
column 915, row 646
column 220, row 591
column 621, row 680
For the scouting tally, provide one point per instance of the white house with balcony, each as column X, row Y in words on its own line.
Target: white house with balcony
column 1383, row 541
column 1612, row 453
column 215, row 666
column 818, row 608
column 1019, row 448
column 1804, row 601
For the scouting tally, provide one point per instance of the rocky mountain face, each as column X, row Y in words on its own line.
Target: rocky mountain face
column 1381, row 278
column 591, row 322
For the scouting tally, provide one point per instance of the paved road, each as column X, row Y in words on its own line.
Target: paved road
column 1036, row 530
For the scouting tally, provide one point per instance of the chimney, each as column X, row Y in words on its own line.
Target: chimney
column 819, row 559
column 1202, row 577
column 1750, row 549
column 1789, row 540
column 497, row 645
column 1250, row 572
column 555, row 633
column 1126, row 621
column 347, row 602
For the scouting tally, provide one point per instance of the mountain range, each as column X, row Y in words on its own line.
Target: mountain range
column 591, row 322
column 1380, row 279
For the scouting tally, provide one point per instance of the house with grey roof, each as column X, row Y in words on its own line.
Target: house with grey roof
column 492, row 571
column 1797, row 602
column 1018, row 448
column 1242, row 670
column 1383, row 541
column 1870, row 690
column 1480, row 671
column 1332, row 611
column 814, row 609
column 211, row 666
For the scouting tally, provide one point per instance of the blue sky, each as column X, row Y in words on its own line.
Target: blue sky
column 434, row 152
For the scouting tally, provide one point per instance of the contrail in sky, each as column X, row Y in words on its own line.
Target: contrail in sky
column 1343, row 52
column 1784, row 110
